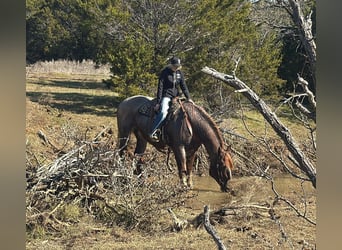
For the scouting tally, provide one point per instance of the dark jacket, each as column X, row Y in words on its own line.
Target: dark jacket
column 167, row 87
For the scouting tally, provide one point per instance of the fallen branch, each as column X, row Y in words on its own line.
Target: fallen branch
column 211, row 230
column 47, row 218
column 309, row 93
column 303, row 162
column 178, row 223
column 289, row 203
column 46, row 141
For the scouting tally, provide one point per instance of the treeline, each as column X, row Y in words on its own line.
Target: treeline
column 136, row 38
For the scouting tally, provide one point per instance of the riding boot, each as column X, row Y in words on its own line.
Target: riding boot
column 156, row 123
column 160, row 117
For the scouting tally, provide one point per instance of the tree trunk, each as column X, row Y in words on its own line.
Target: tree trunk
column 303, row 163
column 305, row 34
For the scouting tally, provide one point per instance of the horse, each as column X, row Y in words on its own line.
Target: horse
column 186, row 129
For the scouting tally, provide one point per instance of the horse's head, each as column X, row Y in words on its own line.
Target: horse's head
column 221, row 170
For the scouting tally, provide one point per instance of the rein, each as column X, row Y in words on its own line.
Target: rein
column 188, row 124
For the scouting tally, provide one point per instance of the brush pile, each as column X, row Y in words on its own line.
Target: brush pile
column 95, row 178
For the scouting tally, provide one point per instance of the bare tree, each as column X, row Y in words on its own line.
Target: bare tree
column 294, row 18
column 304, row 26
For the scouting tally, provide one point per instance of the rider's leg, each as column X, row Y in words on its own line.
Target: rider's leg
column 161, row 115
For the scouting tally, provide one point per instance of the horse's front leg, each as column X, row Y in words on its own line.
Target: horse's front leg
column 180, row 156
column 189, row 164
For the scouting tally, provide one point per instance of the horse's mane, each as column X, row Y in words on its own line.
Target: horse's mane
column 207, row 117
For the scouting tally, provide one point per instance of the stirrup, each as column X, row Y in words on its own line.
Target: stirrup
column 155, row 135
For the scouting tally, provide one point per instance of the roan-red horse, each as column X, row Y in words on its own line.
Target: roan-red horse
column 186, row 129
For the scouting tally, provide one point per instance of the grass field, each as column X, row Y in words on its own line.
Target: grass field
column 67, row 108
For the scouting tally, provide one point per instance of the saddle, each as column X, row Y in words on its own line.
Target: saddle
column 176, row 109
column 147, row 108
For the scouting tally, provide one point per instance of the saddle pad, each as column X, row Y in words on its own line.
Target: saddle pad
column 146, row 108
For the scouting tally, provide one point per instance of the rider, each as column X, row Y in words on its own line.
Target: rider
column 170, row 78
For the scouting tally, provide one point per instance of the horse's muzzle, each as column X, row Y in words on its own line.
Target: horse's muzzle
column 224, row 188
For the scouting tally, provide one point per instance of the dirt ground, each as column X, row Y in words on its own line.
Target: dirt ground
column 255, row 219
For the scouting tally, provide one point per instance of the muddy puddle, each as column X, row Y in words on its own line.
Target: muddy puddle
column 208, row 193
column 244, row 190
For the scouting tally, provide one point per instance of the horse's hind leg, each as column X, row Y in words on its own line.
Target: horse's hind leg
column 124, row 131
column 139, row 151
column 123, row 143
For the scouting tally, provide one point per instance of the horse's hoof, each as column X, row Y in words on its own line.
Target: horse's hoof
column 183, row 187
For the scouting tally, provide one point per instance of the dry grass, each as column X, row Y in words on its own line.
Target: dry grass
column 86, row 69
column 67, row 108
column 68, row 67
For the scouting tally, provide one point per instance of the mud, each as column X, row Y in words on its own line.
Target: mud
column 249, row 190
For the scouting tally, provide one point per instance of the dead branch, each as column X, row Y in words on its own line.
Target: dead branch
column 71, row 156
column 93, row 176
column 263, row 173
column 225, row 131
column 107, row 129
column 309, row 93
column 277, row 221
column 300, row 214
column 178, row 224
column 47, row 218
column 46, row 141
column 304, row 26
column 211, row 230
column 284, row 133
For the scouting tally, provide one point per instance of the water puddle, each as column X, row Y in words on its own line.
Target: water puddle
column 245, row 190
column 208, row 193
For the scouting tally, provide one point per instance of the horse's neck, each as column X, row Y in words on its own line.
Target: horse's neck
column 210, row 142
column 208, row 135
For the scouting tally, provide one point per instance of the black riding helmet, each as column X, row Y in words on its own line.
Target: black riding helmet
column 175, row 61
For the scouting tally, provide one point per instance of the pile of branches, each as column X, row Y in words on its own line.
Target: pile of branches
column 94, row 177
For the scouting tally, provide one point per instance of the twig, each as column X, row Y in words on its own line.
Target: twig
column 101, row 133
column 236, row 65
column 305, row 86
column 178, row 223
column 46, row 140
column 279, row 197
